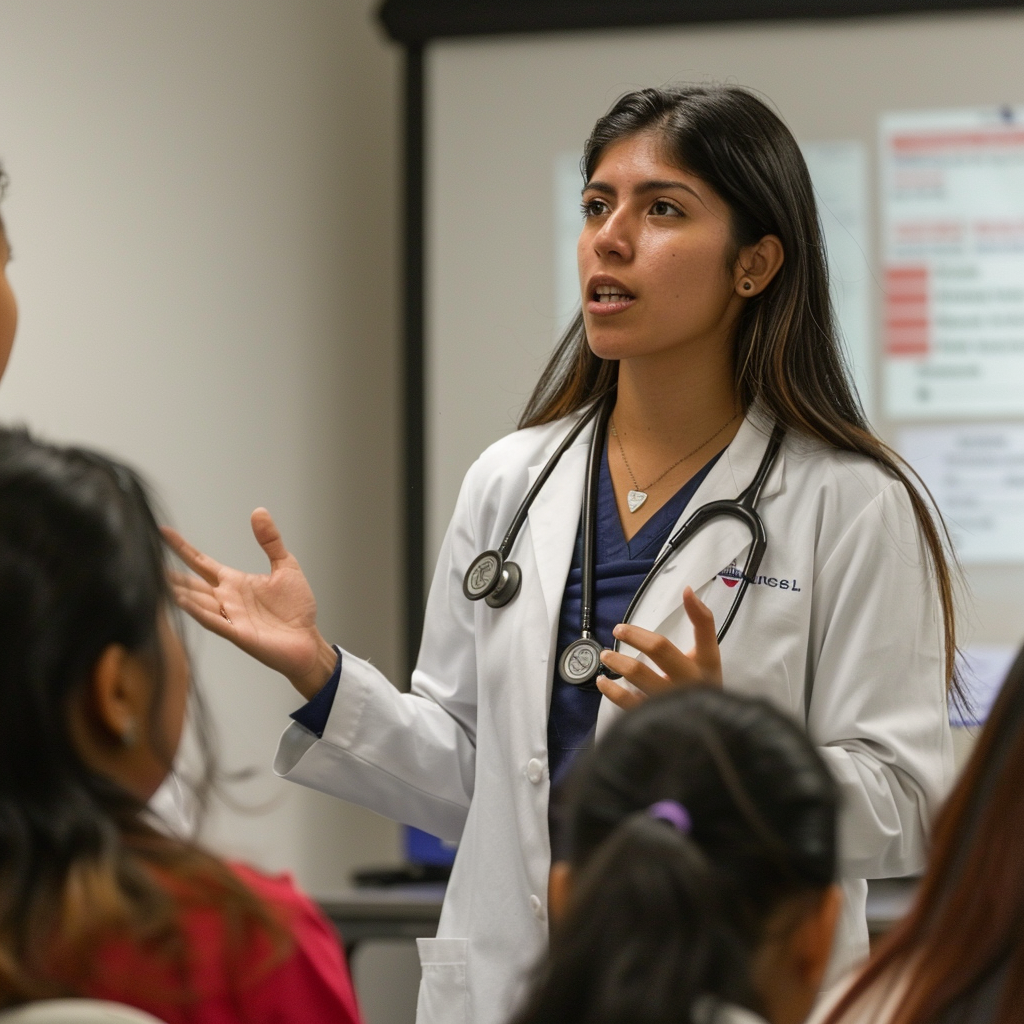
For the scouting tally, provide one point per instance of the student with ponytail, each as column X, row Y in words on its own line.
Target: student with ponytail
column 700, row 881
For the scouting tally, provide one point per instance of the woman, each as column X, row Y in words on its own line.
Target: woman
column 700, row 885
column 959, row 955
column 706, row 322
column 95, row 899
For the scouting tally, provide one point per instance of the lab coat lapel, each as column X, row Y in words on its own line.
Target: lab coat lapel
column 724, row 540
column 554, row 519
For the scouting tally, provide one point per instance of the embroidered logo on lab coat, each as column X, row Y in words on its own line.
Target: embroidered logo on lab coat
column 732, row 574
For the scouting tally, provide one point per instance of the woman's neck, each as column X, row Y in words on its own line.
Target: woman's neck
column 675, row 400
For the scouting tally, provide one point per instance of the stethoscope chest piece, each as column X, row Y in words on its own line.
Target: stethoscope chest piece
column 580, row 661
column 492, row 578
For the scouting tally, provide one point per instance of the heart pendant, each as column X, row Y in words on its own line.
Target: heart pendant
column 635, row 499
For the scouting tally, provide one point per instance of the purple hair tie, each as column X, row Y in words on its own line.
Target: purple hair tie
column 673, row 812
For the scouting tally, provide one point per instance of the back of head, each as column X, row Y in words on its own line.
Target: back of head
column 665, row 915
column 81, row 567
column 82, row 570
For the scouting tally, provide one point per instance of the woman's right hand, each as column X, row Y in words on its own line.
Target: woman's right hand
column 272, row 617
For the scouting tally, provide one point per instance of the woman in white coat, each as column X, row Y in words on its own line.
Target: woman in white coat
column 706, row 318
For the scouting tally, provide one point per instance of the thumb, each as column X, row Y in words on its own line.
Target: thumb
column 267, row 535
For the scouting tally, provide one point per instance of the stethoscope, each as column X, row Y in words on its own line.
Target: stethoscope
column 497, row 580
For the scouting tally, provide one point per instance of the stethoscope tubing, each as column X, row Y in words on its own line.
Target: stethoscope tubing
column 493, row 577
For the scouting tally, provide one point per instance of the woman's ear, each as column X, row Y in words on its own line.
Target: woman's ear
column 559, row 890
column 757, row 265
column 117, row 696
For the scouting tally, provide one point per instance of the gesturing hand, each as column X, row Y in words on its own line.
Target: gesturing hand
column 701, row 665
column 272, row 617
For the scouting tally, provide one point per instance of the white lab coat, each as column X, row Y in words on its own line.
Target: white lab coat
column 842, row 631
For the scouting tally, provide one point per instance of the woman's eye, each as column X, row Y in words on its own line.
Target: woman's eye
column 663, row 208
column 593, row 207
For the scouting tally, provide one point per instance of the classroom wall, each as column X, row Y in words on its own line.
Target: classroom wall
column 204, row 212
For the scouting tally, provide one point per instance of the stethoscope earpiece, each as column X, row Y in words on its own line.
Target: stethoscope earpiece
column 507, row 586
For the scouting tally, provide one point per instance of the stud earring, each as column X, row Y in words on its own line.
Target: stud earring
column 747, row 285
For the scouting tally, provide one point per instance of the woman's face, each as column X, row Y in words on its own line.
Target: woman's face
column 657, row 261
column 8, row 305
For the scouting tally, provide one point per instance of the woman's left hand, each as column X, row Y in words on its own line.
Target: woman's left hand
column 702, row 665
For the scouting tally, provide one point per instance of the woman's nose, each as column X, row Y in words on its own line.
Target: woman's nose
column 614, row 237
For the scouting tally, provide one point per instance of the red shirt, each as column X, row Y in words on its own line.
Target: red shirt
column 311, row 985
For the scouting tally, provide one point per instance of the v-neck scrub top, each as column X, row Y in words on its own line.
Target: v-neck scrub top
column 620, row 567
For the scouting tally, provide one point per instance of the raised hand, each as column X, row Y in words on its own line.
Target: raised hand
column 701, row 665
column 271, row 616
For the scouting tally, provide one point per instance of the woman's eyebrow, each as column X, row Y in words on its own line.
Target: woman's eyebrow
column 663, row 184
column 653, row 185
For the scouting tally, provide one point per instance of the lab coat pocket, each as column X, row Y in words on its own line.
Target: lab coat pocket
column 443, row 996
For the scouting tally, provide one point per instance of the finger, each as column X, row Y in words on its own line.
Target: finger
column 204, row 565
column 642, row 676
column 268, row 537
column 208, row 618
column 660, row 650
column 189, row 581
column 706, row 652
column 619, row 695
column 197, row 599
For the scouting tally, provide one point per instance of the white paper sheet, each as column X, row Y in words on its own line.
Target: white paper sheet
column 839, row 174
column 953, row 242
column 976, row 475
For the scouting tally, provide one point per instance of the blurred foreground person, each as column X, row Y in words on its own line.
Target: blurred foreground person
column 958, row 957
column 700, row 885
column 95, row 898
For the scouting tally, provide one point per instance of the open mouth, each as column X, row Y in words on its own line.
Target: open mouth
column 607, row 294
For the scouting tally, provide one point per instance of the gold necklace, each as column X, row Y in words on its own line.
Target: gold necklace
column 636, row 497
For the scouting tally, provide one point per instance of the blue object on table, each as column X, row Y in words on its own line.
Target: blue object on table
column 423, row 848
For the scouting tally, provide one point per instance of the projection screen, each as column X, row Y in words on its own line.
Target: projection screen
column 915, row 138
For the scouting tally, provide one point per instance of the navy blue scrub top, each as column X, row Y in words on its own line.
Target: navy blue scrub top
column 620, row 568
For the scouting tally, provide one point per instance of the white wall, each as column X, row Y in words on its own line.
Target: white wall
column 204, row 213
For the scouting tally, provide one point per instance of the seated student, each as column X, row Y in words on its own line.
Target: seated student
column 95, row 899
column 700, row 886
column 958, row 956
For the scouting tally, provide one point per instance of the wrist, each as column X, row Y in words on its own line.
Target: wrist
column 310, row 683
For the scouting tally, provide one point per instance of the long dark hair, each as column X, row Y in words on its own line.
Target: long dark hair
column 788, row 355
column 81, row 859
column 959, row 954
column 660, row 918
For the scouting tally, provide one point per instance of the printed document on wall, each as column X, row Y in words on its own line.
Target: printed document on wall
column 975, row 472
column 953, row 245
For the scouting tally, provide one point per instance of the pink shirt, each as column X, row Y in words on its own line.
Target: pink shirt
column 310, row 986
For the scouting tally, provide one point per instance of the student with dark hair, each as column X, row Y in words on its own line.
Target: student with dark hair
column 958, row 956
column 700, row 885
column 96, row 899
column 704, row 367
